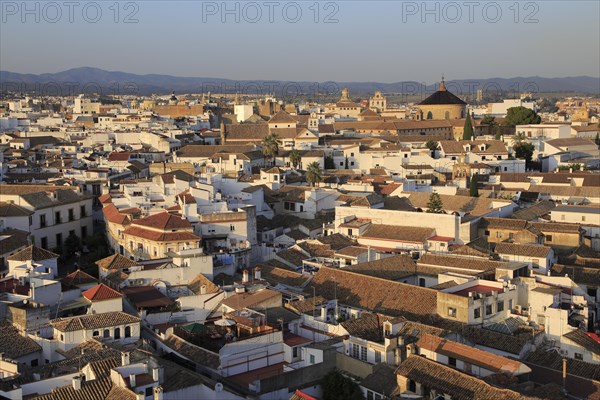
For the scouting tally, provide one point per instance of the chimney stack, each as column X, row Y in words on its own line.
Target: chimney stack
column 257, row 274
column 124, row 359
column 76, row 382
column 156, row 374
column 245, row 278
column 132, row 381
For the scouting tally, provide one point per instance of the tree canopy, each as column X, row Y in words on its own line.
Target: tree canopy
column 473, row 189
column 524, row 150
column 468, row 129
column 435, row 204
column 295, row 157
column 489, row 120
column 521, row 116
column 313, row 173
column 270, row 146
column 337, row 387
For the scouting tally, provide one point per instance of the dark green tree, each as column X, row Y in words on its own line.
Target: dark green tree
column 489, row 120
column 347, row 163
column 337, row 387
column 435, row 205
column 295, row 157
column 432, row 145
column 524, row 151
column 468, row 129
column 71, row 245
column 597, row 140
column 521, row 116
column 473, row 189
column 313, row 173
column 498, row 134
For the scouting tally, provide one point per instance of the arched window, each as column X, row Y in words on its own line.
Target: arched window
column 429, row 115
column 96, row 333
column 447, row 115
column 117, row 333
column 127, row 331
column 106, row 333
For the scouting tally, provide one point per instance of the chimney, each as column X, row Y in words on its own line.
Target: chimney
column 124, row 359
column 132, row 381
column 245, row 278
column 257, row 274
column 324, row 313
column 140, row 396
column 203, row 289
column 76, row 382
column 156, row 374
column 158, row 393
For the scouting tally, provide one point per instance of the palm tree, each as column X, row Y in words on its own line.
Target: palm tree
column 519, row 138
column 313, row 173
column 270, row 146
column 295, row 157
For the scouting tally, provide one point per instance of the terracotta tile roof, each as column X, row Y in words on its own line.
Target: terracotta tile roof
column 369, row 326
column 275, row 275
column 112, row 214
column 13, row 210
column 13, row 240
column 115, row 262
column 526, row 250
column 471, row 205
column 79, row 277
column 105, row 198
column 391, row 268
column 201, row 280
column 451, row 261
column 447, row 380
column 556, row 227
column 382, row 380
column 204, row 151
column 282, row 117
column 587, row 340
column 548, row 358
column 398, row 233
column 535, row 211
column 364, row 292
column 581, row 275
column 119, row 156
column 93, row 321
column 33, row 253
column 192, row 352
column 161, row 236
column 458, row 147
column 101, row 292
column 14, row 345
column 163, row 221
column 484, row 359
column 247, row 299
column 146, row 297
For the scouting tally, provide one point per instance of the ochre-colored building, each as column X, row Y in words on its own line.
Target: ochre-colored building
column 442, row 105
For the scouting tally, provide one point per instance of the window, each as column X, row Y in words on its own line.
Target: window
column 117, row 333
column 58, row 239
column 83, row 232
column 312, row 359
column 106, row 333
column 548, row 238
column 294, row 352
column 500, row 306
column 71, row 214
column 349, row 232
column 535, row 262
column 351, row 154
column 579, row 356
column 42, row 220
column 232, row 227
column 452, row 362
column 81, row 211
column 352, row 163
column 377, row 356
column 451, row 312
column 363, row 353
column 341, row 163
column 370, row 395
column 583, row 217
column 44, row 243
column 57, row 217
column 412, row 386
column 127, row 331
column 487, row 233
column 477, row 313
column 422, row 282
column 34, row 363
column 96, row 333
column 488, row 309
column 355, row 350
column 149, row 391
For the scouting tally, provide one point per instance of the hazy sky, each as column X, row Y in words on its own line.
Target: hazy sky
column 383, row 41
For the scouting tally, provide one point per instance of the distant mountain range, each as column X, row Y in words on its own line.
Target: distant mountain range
column 94, row 80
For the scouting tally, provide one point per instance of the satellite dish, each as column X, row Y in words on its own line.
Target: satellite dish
column 218, row 387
